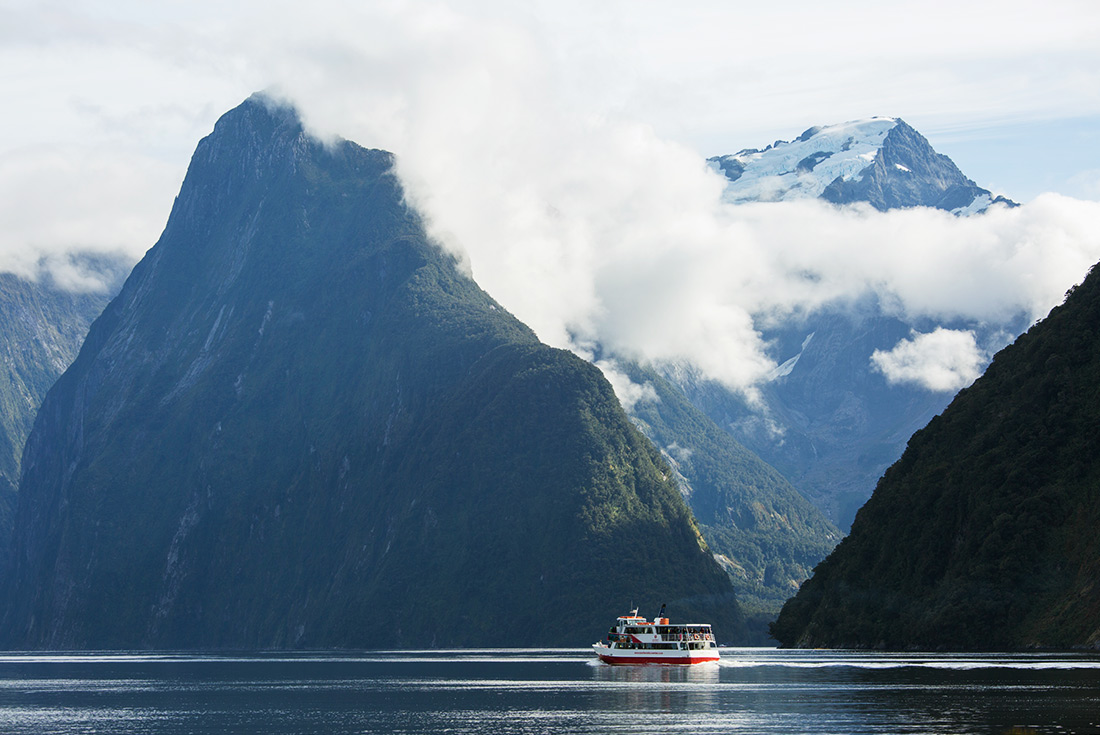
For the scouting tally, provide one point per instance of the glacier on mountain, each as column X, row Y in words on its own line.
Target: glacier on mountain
column 881, row 161
column 804, row 167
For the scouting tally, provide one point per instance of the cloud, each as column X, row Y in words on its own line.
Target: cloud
column 592, row 227
column 944, row 360
column 56, row 202
column 631, row 246
column 630, row 393
column 557, row 148
column 923, row 262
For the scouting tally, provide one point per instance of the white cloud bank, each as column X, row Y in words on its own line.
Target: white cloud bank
column 540, row 145
column 943, row 360
column 55, row 202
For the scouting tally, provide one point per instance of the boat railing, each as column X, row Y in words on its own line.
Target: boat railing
column 684, row 637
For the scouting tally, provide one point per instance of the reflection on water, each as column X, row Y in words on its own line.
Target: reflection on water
column 541, row 691
column 636, row 676
column 656, row 689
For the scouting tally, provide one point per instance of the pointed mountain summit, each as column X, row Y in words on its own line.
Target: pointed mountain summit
column 983, row 535
column 299, row 424
column 882, row 161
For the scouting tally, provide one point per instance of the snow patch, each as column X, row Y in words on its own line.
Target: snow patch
column 267, row 317
column 784, row 369
column 787, row 367
column 842, row 151
column 213, row 330
column 979, row 205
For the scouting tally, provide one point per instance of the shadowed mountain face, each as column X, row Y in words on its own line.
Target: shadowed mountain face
column 300, row 425
column 41, row 329
column 983, row 535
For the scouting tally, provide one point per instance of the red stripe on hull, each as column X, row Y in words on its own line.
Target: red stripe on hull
column 606, row 658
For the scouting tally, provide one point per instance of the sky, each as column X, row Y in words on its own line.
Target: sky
column 559, row 148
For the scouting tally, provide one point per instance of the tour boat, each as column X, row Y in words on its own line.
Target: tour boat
column 635, row 640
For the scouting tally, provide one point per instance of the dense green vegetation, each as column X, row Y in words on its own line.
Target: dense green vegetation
column 766, row 535
column 300, row 425
column 41, row 329
column 983, row 535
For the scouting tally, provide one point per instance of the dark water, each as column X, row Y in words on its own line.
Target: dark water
column 487, row 692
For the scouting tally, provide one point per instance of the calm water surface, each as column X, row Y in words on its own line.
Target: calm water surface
column 549, row 691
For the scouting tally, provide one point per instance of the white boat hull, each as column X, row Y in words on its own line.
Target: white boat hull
column 620, row 656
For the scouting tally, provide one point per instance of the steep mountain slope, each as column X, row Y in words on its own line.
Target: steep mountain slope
column 983, row 535
column 766, row 535
column 300, row 425
column 41, row 329
column 831, row 422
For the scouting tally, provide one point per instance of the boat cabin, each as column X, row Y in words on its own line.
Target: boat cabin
column 633, row 639
column 631, row 631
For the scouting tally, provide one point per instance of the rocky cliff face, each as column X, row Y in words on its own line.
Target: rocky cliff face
column 907, row 172
column 41, row 329
column 983, row 535
column 300, row 425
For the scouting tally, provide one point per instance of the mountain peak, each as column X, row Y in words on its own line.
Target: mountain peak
column 256, row 135
column 262, row 115
column 879, row 160
column 300, row 424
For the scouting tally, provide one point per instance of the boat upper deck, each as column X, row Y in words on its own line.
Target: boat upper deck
column 639, row 629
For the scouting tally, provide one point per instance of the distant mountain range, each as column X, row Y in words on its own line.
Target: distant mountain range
column 829, row 421
column 983, row 535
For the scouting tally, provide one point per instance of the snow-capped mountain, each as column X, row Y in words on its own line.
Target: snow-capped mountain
column 882, row 161
column 828, row 419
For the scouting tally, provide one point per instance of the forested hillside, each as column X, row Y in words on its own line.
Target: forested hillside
column 983, row 535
